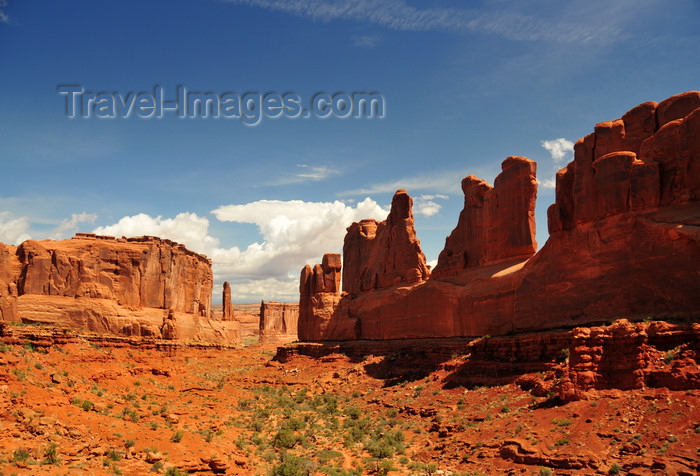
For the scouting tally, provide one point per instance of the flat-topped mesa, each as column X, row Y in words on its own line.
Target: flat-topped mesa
column 141, row 239
column 383, row 254
column 496, row 224
column 144, row 286
column 278, row 321
column 646, row 159
column 142, row 272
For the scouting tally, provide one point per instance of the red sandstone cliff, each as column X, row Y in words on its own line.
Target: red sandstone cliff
column 624, row 241
column 142, row 286
column 378, row 255
column 278, row 321
column 497, row 223
column 319, row 296
column 143, row 272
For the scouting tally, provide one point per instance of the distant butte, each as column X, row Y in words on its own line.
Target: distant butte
column 624, row 242
column 144, row 286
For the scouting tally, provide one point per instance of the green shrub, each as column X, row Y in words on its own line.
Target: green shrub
column 293, row 424
column 327, row 456
column 615, row 469
column 174, row 471
column 114, row 455
column 177, row 436
column 380, row 449
column 50, row 455
column 353, row 411
column 20, row 454
column 291, row 465
column 670, row 355
column 20, row 374
column 423, row 468
column 286, row 439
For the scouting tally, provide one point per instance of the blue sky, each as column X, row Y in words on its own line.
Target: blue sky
column 466, row 85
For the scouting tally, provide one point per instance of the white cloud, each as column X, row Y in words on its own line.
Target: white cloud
column 268, row 289
column 550, row 182
column 561, row 150
column 69, row 226
column 365, row 41
column 13, row 231
column 293, row 232
column 425, row 205
column 398, row 15
column 186, row 228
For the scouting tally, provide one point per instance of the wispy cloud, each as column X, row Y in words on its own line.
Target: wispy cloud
column 397, row 15
column 70, row 225
column 3, row 16
column 440, row 183
column 308, row 173
column 560, row 150
column 365, row 41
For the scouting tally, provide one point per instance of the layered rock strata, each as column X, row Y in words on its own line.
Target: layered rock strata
column 142, row 286
column 568, row 364
column 278, row 321
column 624, row 241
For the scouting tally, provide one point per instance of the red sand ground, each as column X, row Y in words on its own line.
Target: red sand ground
column 90, row 407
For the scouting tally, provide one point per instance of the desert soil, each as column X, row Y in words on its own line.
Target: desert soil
column 90, row 407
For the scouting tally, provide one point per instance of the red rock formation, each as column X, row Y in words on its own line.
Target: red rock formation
column 648, row 157
column 497, row 223
column 628, row 356
column 122, row 286
column 8, row 302
column 278, row 321
column 8, row 289
column 143, row 272
column 170, row 330
column 319, row 297
column 378, row 255
column 624, row 241
column 227, row 313
column 573, row 363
